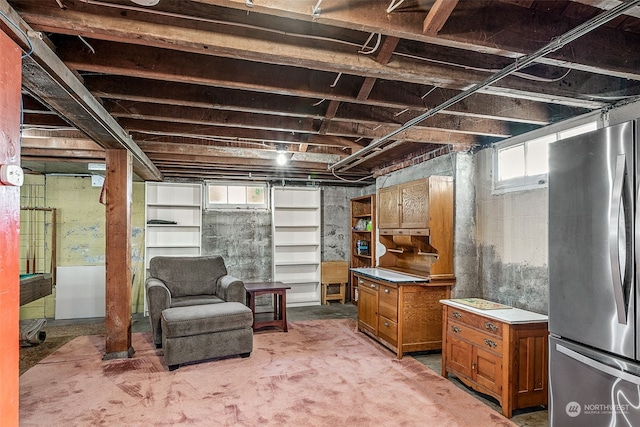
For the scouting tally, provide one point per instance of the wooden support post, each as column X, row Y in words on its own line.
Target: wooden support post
column 10, row 86
column 119, row 189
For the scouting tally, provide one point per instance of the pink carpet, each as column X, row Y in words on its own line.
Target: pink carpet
column 320, row 373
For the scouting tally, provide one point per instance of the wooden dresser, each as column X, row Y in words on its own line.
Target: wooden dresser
column 399, row 311
column 497, row 350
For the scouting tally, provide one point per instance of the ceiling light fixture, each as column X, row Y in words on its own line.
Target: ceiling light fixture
column 97, row 167
column 282, row 158
column 146, row 2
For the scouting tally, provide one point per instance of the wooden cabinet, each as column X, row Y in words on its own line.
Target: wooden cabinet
column 502, row 355
column 407, row 205
column 404, row 317
column 363, row 226
column 296, row 243
column 415, row 221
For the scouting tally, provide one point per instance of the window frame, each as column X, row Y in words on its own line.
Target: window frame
column 554, row 132
column 210, row 206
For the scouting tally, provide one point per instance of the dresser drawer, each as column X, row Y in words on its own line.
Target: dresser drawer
column 481, row 339
column 388, row 330
column 368, row 284
column 483, row 323
column 388, row 302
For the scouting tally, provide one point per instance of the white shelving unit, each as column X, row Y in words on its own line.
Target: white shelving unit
column 296, row 243
column 180, row 203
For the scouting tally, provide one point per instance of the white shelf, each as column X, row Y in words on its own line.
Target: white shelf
column 177, row 202
column 296, row 247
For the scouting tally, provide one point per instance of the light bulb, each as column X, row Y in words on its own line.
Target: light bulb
column 281, row 159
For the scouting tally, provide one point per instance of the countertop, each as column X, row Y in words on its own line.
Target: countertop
column 389, row 275
column 509, row 315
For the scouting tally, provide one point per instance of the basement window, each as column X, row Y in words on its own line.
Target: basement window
column 524, row 165
column 236, row 195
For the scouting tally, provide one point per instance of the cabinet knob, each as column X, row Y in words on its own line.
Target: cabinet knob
column 490, row 343
column 456, row 329
column 490, row 326
column 473, row 366
column 386, row 324
column 386, row 291
column 372, row 285
column 360, row 281
column 456, row 315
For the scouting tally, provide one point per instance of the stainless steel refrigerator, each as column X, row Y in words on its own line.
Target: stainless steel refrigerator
column 594, row 368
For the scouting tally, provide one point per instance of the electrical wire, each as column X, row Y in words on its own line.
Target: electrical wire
column 351, row 180
column 307, row 36
column 21, row 32
column 374, row 48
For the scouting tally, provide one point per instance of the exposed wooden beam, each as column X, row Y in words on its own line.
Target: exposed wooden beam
column 437, row 16
column 50, row 81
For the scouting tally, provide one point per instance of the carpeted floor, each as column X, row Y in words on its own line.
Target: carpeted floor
column 57, row 336
column 322, row 372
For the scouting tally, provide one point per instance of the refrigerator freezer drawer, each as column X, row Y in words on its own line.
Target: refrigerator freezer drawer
column 589, row 388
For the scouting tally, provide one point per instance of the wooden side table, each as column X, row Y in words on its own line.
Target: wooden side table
column 278, row 317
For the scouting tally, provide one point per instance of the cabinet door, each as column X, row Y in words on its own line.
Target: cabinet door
column 414, row 204
column 459, row 356
column 487, row 369
column 368, row 308
column 388, row 208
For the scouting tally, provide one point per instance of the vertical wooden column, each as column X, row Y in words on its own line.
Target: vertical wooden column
column 10, row 83
column 118, row 254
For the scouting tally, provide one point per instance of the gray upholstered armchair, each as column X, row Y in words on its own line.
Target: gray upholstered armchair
column 185, row 281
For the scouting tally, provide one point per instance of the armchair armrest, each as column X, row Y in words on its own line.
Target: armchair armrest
column 231, row 289
column 158, row 298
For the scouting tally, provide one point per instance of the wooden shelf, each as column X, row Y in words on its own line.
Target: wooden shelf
column 362, row 208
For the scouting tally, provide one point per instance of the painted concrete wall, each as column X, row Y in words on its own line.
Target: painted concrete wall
column 512, row 240
column 336, row 222
column 81, row 233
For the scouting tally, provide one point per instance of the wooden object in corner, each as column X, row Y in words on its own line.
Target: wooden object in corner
column 363, row 209
column 415, row 221
column 502, row 353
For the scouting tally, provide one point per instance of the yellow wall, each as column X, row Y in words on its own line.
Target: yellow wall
column 81, row 233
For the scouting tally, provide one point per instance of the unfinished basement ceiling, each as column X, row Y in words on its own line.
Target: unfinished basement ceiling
column 213, row 88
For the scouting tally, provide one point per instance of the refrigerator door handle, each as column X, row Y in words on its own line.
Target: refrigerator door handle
column 625, row 376
column 614, row 237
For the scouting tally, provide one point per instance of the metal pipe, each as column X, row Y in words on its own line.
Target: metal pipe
column 521, row 62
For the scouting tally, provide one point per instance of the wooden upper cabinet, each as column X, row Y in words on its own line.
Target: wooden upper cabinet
column 414, row 204
column 388, row 207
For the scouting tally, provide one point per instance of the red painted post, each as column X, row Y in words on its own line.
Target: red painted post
column 10, row 83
